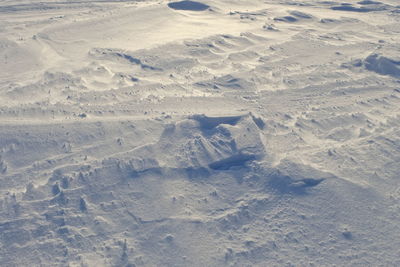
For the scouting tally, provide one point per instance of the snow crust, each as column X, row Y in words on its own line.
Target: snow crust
column 199, row 133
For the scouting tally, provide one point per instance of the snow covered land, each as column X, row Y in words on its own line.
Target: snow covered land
column 210, row 133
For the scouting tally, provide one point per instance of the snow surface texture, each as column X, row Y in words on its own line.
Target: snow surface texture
column 199, row 133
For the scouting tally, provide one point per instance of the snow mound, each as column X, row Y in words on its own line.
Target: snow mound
column 286, row 19
column 188, row 5
column 378, row 63
column 294, row 16
column 371, row 7
column 116, row 55
column 289, row 176
column 201, row 143
column 383, row 65
column 301, row 15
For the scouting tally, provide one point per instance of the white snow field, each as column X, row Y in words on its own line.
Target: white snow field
column 210, row 133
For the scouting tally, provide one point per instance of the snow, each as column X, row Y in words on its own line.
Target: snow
column 207, row 133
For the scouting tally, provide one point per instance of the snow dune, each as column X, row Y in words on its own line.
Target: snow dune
column 199, row 133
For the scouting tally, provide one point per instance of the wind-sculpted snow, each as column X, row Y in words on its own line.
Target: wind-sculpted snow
column 166, row 196
column 188, row 5
column 199, row 143
column 210, row 133
column 383, row 65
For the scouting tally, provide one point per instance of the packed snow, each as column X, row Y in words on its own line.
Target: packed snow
column 199, row 133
